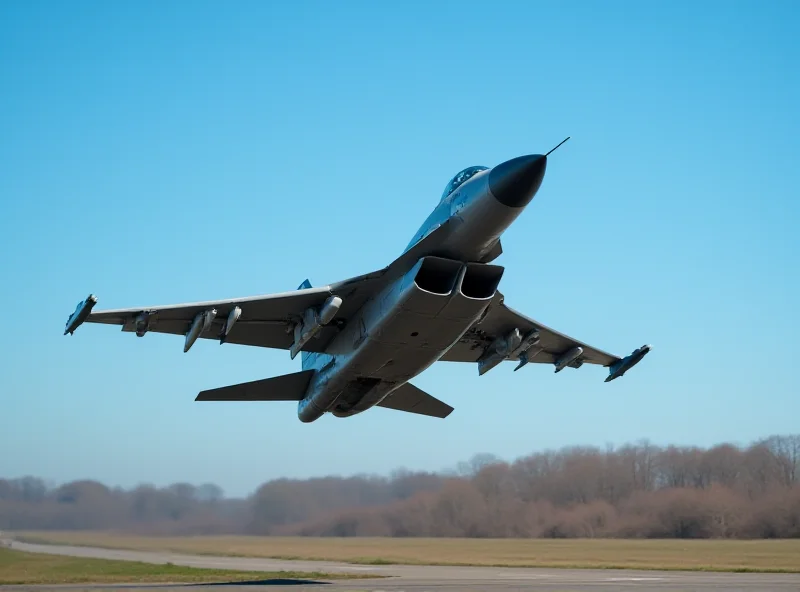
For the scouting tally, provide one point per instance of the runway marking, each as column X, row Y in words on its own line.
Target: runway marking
column 532, row 576
column 635, row 579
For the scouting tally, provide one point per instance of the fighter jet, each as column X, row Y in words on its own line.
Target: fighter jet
column 362, row 339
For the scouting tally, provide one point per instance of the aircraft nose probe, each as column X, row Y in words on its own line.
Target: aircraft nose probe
column 515, row 182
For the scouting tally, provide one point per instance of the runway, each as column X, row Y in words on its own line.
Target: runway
column 412, row 578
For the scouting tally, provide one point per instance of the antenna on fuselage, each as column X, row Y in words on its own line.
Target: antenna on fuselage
column 554, row 149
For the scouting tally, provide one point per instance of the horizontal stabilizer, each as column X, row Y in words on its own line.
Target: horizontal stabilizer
column 413, row 400
column 287, row 387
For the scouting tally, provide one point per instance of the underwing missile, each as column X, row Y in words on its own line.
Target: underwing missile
column 81, row 314
column 194, row 332
column 526, row 356
column 499, row 351
column 208, row 318
column 201, row 323
column 527, row 349
column 620, row 368
column 489, row 362
column 312, row 322
column 567, row 358
column 531, row 338
column 232, row 318
column 329, row 310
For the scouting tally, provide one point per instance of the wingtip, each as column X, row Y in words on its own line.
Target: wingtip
column 619, row 368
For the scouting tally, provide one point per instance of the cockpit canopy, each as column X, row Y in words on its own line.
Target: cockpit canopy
column 461, row 178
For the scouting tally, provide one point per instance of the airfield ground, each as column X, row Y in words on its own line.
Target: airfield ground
column 415, row 578
column 695, row 555
column 18, row 567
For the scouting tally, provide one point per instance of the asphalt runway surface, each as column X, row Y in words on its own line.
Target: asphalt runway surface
column 413, row 578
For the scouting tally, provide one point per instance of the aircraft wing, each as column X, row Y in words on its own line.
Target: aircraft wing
column 501, row 320
column 262, row 321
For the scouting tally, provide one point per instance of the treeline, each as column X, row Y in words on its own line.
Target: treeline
column 29, row 504
column 637, row 490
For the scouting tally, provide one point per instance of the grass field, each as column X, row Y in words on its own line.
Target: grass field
column 705, row 555
column 17, row 567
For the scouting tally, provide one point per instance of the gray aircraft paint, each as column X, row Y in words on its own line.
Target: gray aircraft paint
column 409, row 325
column 398, row 334
column 363, row 339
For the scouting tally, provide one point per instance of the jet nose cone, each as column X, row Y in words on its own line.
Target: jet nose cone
column 515, row 182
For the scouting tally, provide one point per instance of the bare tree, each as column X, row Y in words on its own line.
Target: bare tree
column 637, row 490
column 787, row 455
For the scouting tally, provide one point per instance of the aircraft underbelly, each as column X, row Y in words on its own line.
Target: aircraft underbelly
column 418, row 321
column 399, row 333
column 409, row 343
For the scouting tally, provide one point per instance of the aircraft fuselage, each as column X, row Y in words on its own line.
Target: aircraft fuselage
column 420, row 315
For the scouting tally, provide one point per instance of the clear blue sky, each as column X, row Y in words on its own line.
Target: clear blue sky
column 156, row 153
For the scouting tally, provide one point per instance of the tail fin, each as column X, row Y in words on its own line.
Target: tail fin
column 303, row 354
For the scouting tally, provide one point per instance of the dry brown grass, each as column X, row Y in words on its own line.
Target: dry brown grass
column 710, row 555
